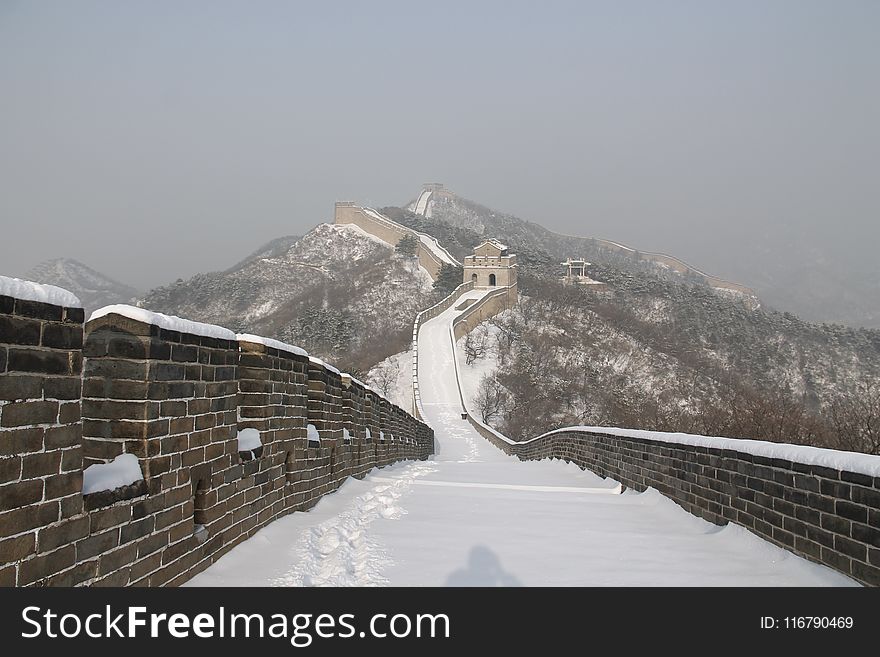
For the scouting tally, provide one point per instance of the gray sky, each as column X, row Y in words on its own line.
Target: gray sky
column 153, row 140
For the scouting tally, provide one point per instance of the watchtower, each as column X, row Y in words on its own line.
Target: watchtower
column 491, row 265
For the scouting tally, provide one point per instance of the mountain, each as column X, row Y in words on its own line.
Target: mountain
column 338, row 292
column 438, row 207
column 272, row 249
column 94, row 289
column 809, row 281
column 657, row 349
column 671, row 356
column 785, row 270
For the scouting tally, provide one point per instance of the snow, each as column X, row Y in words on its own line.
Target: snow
column 93, row 289
column 262, row 310
column 401, row 391
column 124, row 470
column 318, row 361
column 312, row 434
column 422, row 203
column 621, row 246
column 30, row 291
column 249, row 439
column 167, row 322
column 273, row 344
column 866, row 464
column 436, row 249
column 472, row 515
column 471, row 375
column 360, row 231
column 432, row 244
column 367, row 386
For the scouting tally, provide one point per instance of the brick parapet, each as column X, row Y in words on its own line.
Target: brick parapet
column 176, row 401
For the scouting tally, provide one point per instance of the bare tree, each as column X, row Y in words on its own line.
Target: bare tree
column 491, row 397
column 384, row 376
column 476, row 344
column 509, row 329
column 855, row 421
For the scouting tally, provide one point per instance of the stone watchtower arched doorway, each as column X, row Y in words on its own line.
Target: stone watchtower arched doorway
column 491, row 265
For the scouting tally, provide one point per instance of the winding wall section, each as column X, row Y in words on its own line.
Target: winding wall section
column 821, row 504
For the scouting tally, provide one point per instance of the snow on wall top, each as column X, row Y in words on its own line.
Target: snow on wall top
column 318, row 361
column 431, row 243
column 30, row 291
column 829, row 458
column 436, row 249
column 124, row 470
column 366, row 386
column 273, row 344
column 866, row 464
column 421, row 204
column 168, row 322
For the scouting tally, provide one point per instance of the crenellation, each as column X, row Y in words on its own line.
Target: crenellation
column 176, row 401
column 819, row 513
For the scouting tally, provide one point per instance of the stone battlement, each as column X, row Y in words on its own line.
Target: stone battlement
column 430, row 253
column 823, row 505
column 74, row 395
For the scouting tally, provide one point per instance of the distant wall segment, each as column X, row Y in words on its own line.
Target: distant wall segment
column 391, row 232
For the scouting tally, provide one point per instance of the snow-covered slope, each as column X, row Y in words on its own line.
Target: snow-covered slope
column 679, row 363
column 337, row 291
column 272, row 249
column 93, row 288
column 393, row 378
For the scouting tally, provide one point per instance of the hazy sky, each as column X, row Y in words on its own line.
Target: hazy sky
column 153, row 140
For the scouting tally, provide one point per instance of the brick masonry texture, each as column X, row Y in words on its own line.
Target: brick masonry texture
column 828, row 516
column 70, row 398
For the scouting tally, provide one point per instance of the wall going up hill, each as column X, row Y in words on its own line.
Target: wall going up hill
column 430, row 253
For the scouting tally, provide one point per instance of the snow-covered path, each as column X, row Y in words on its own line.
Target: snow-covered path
column 422, row 202
column 473, row 515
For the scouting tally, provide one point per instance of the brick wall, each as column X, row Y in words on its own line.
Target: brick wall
column 40, row 444
column 828, row 516
column 490, row 305
column 176, row 401
column 823, row 514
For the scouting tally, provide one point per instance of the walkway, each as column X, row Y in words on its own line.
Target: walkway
column 474, row 516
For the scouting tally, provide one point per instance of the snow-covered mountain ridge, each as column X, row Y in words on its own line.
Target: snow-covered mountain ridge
column 93, row 288
column 339, row 292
